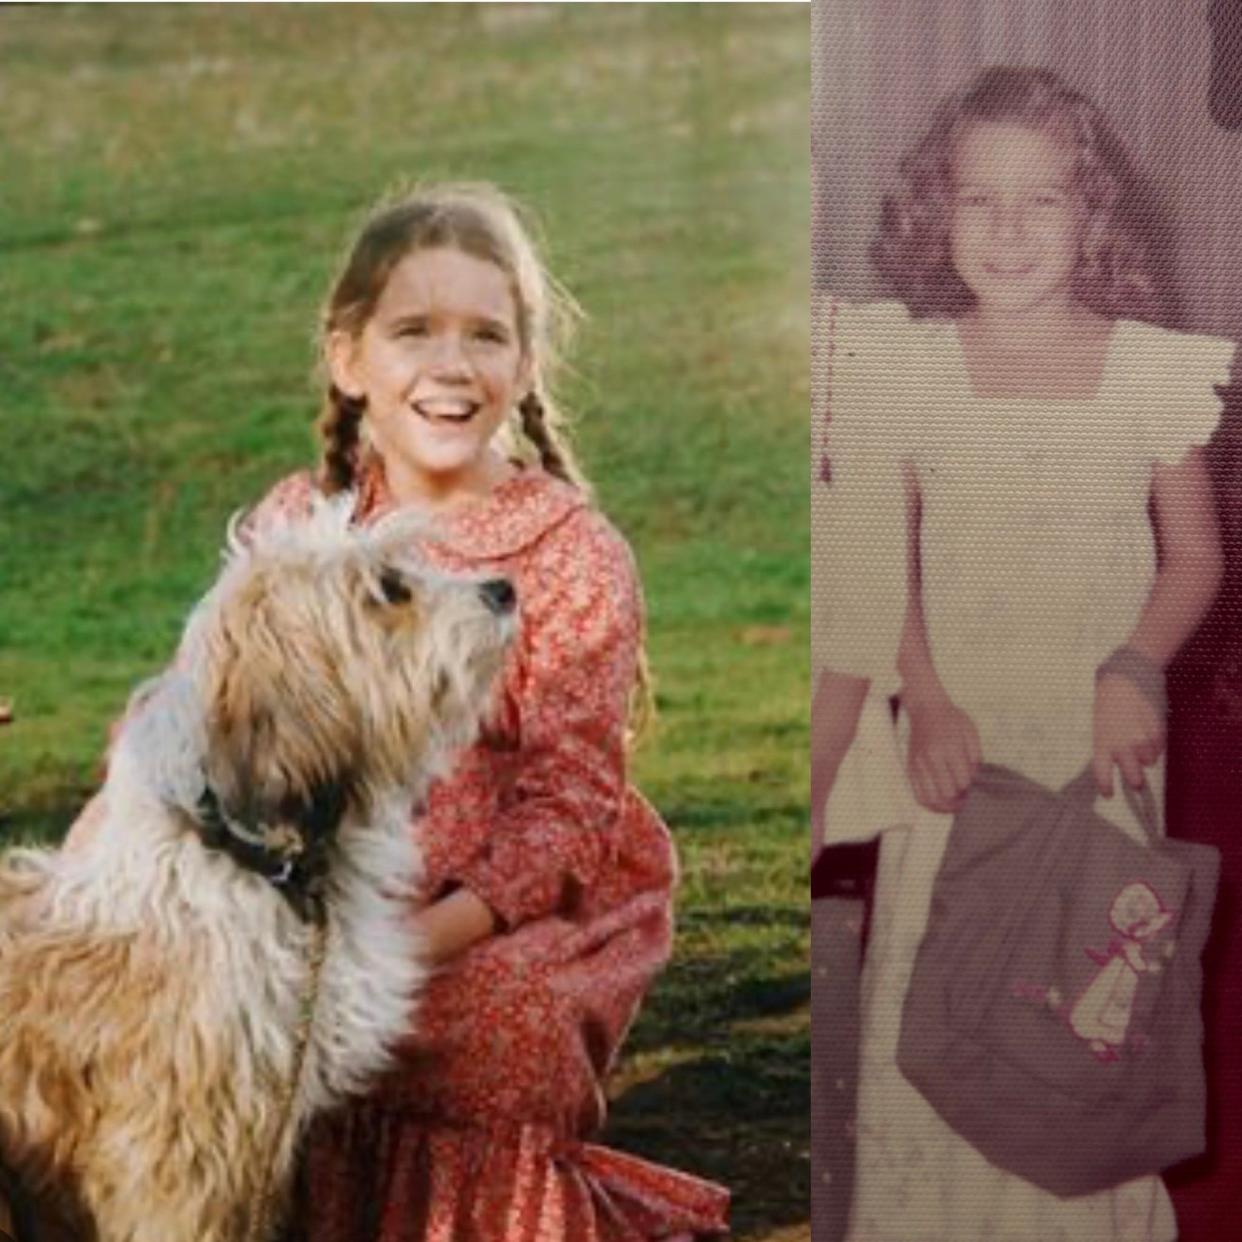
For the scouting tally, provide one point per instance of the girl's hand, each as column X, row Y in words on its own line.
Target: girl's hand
column 449, row 927
column 944, row 753
column 1128, row 733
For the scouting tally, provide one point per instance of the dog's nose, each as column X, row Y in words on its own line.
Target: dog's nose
column 498, row 594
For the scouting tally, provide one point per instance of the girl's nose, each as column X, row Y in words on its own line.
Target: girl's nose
column 1009, row 219
column 448, row 355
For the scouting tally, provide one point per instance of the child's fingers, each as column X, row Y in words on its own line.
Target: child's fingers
column 1153, row 748
column 944, row 781
column 928, row 793
column 964, row 765
column 958, row 778
column 915, row 775
column 1131, row 768
column 1102, row 765
column 923, row 785
column 925, row 794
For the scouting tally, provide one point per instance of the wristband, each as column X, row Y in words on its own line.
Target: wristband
column 1140, row 671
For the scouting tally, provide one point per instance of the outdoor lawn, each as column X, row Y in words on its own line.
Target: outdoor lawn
column 178, row 184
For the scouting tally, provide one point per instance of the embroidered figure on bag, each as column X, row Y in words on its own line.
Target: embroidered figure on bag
column 1101, row 1015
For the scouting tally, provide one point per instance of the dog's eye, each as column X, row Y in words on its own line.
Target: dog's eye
column 394, row 587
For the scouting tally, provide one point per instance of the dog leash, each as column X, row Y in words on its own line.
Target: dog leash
column 9, row 1192
column 18, row 1218
column 261, row 1219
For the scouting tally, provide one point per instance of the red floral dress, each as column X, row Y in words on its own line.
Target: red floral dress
column 479, row 1135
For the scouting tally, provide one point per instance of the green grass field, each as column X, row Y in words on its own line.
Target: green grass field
column 178, row 183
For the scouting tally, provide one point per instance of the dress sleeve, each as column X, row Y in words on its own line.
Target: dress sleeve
column 858, row 509
column 555, row 828
column 1180, row 376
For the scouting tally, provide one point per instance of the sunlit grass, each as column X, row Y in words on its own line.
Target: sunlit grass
column 178, row 182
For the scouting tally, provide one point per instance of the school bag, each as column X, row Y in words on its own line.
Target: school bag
column 1053, row 1016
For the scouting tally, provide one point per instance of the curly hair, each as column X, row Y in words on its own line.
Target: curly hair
column 1119, row 274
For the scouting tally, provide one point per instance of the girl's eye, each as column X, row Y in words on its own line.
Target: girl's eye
column 494, row 336
column 416, row 328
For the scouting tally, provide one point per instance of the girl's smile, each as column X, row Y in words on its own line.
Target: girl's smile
column 452, row 411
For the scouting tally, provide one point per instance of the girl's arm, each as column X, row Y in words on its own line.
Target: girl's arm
column 1191, row 561
column 1128, row 731
column 451, row 925
column 835, row 710
column 944, row 751
column 555, row 832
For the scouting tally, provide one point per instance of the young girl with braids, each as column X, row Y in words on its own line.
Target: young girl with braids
column 1042, row 419
column 549, row 879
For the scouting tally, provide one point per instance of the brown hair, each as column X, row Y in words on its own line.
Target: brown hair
column 1119, row 274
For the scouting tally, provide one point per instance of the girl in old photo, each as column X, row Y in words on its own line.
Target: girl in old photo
column 1048, row 434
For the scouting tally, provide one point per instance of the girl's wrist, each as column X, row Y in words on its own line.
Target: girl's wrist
column 1144, row 649
column 452, row 924
column 1138, row 668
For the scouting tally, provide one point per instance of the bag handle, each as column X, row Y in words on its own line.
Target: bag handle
column 1148, row 678
column 1142, row 801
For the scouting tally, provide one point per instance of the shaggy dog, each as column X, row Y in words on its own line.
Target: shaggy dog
column 232, row 952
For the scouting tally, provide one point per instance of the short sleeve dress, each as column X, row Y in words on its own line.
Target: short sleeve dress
column 1037, row 556
column 480, row 1135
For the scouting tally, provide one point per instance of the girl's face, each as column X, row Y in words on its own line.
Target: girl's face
column 1017, row 220
column 440, row 364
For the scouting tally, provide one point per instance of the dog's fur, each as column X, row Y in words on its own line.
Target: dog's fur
column 151, row 987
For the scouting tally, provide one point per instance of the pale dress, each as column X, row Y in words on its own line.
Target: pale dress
column 1038, row 555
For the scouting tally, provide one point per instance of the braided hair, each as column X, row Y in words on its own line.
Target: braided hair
column 340, row 427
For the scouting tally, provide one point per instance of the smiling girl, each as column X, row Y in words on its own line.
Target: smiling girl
column 549, row 879
column 547, row 896
column 1042, row 415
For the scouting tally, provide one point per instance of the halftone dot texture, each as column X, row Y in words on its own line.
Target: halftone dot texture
column 1036, row 546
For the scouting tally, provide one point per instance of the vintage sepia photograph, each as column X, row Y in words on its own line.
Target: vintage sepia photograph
column 1026, row 592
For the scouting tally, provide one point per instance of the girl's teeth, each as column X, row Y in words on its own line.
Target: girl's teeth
column 445, row 410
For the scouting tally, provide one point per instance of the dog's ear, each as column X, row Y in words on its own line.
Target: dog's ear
column 268, row 761
column 241, row 740
column 278, row 724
